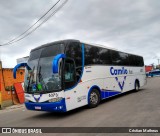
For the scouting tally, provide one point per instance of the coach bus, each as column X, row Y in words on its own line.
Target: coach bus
column 68, row 74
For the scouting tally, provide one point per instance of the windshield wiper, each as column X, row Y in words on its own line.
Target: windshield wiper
column 30, row 78
column 40, row 79
column 39, row 74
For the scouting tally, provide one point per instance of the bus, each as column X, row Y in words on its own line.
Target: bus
column 67, row 74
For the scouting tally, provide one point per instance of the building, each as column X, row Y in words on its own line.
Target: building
column 8, row 95
column 149, row 68
column 22, row 60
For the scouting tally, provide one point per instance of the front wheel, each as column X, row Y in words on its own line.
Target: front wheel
column 94, row 98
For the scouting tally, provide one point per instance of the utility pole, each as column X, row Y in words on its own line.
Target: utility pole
column 158, row 63
column 156, row 57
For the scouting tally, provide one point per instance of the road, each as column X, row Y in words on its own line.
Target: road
column 140, row 109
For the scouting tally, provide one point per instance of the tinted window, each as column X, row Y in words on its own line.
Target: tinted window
column 124, row 59
column 88, row 56
column 97, row 55
column 91, row 55
column 48, row 80
column 142, row 61
column 104, row 56
column 52, row 50
column 116, row 59
column 69, row 74
column 139, row 61
column 136, row 60
column 120, row 58
column 132, row 60
column 35, row 54
column 74, row 51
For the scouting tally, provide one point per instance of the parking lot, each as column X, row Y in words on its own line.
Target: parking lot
column 140, row 109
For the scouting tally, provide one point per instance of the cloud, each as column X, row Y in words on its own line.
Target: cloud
column 128, row 25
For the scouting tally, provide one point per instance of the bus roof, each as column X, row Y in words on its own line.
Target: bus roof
column 56, row 42
column 74, row 40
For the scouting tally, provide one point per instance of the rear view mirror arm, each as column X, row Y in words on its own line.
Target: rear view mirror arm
column 55, row 62
column 18, row 66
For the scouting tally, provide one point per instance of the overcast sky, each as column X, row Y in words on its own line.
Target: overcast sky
column 127, row 25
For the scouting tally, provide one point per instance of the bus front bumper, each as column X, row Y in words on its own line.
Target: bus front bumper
column 47, row 106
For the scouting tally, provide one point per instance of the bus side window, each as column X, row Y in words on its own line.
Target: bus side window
column 69, row 74
column 74, row 51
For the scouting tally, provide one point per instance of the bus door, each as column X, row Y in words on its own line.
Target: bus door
column 69, row 78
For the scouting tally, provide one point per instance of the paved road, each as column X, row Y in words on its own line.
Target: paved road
column 141, row 109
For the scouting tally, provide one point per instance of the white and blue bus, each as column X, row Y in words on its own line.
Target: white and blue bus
column 68, row 74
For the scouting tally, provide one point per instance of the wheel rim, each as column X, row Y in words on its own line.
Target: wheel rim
column 93, row 98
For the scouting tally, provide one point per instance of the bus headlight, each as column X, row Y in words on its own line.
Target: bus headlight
column 55, row 99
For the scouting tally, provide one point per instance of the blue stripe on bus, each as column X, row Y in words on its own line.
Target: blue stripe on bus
column 103, row 93
column 48, row 106
column 107, row 94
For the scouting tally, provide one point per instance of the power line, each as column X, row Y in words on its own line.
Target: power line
column 25, row 32
column 33, row 24
column 41, row 23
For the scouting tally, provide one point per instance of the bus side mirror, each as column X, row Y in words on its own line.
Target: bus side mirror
column 55, row 62
column 18, row 66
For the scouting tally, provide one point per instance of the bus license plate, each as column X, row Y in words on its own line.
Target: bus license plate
column 37, row 107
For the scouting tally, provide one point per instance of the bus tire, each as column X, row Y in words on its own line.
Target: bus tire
column 94, row 98
column 137, row 86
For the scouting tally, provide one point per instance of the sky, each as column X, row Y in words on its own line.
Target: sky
column 131, row 26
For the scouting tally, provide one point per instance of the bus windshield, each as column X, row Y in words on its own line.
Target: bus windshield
column 41, row 78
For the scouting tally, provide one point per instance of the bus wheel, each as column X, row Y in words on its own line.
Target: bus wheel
column 136, row 86
column 94, row 98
